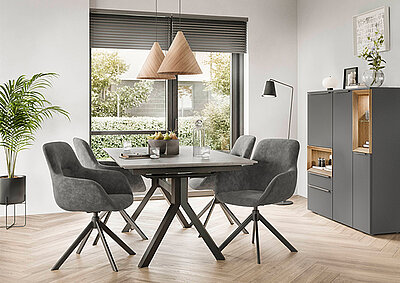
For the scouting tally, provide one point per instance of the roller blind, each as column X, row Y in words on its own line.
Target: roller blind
column 128, row 32
column 206, row 35
column 113, row 30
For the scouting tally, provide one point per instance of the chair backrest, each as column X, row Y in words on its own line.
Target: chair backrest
column 61, row 159
column 243, row 146
column 277, row 155
column 85, row 154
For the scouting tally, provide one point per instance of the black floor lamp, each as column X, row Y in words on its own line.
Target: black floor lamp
column 269, row 91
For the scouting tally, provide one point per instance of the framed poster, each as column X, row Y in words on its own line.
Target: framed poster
column 366, row 25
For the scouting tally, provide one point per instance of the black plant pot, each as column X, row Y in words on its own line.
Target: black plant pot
column 12, row 190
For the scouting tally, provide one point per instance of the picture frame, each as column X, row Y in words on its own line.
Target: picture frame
column 366, row 24
column 350, row 77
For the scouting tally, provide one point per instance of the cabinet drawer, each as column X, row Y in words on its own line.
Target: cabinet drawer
column 320, row 200
column 320, row 181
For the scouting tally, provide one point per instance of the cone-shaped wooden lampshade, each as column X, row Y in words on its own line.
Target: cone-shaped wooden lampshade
column 152, row 64
column 180, row 59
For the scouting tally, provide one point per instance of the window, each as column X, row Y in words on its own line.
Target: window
column 125, row 108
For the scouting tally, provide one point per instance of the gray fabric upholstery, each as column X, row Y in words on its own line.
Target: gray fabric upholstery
column 243, row 147
column 271, row 180
column 87, row 159
column 77, row 188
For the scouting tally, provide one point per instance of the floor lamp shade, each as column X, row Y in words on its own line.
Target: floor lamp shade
column 152, row 64
column 269, row 89
column 180, row 59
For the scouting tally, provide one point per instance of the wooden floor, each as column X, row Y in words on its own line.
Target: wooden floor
column 328, row 252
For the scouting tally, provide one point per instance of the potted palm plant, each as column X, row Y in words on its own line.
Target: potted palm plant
column 23, row 108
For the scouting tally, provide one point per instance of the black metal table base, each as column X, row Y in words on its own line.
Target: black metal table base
column 167, row 195
column 179, row 198
column 14, row 216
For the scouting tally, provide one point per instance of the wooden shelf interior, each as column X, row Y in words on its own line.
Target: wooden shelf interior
column 362, row 130
column 313, row 153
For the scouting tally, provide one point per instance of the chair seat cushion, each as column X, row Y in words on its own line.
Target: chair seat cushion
column 243, row 198
column 206, row 183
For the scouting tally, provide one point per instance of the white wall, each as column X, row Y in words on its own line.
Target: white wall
column 47, row 36
column 272, row 52
column 325, row 47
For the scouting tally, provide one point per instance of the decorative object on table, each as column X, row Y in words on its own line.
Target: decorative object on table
column 374, row 75
column 269, row 91
column 366, row 24
column 205, row 152
column 199, row 138
column 154, row 59
column 168, row 143
column 350, row 77
column 154, row 152
column 23, row 108
column 180, row 59
column 329, row 83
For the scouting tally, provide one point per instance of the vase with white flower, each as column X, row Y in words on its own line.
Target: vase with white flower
column 373, row 77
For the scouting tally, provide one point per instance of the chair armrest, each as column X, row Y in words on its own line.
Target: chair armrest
column 76, row 194
column 110, row 163
column 280, row 188
column 113, row 182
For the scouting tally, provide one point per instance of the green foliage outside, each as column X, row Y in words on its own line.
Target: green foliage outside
column 220, row 67
column 106, row 71
column 134, row 123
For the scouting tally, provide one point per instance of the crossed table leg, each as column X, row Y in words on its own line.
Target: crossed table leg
column 179, row 198
column 150, row 192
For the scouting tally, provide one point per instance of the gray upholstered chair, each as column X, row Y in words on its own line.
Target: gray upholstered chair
column 88, row 160
column 270, row 181
column 243, row 147
column 77, row 188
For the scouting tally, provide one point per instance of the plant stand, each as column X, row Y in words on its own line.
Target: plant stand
column 14, row 216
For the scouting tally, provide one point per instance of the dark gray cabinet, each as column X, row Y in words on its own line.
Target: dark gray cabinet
column 361, row 191
column 361, row 129
column 342, row 145
column 320, row 119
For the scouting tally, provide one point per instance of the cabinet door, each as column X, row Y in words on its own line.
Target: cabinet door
column 361, row 191
column 320, row 119
column 342, row 157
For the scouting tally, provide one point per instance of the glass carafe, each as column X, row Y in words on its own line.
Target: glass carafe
column 199, row 138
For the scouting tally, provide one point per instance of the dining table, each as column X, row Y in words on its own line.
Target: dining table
column 171, row 173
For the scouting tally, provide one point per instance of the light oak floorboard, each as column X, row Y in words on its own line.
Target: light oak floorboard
column 328, row 251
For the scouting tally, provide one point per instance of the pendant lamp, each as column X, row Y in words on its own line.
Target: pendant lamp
column 153, row 62
column 180, row 59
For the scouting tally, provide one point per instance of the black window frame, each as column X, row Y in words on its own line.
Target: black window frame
column 236, row 97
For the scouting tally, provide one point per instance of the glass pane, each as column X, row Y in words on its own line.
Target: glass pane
column 119, row 100
column 102, row 141
column 207, row 97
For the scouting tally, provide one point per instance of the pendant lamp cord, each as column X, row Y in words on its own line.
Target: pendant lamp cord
column 156, row 20
column 180, row 15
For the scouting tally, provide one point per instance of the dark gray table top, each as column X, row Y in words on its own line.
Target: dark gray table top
column 185, row 159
